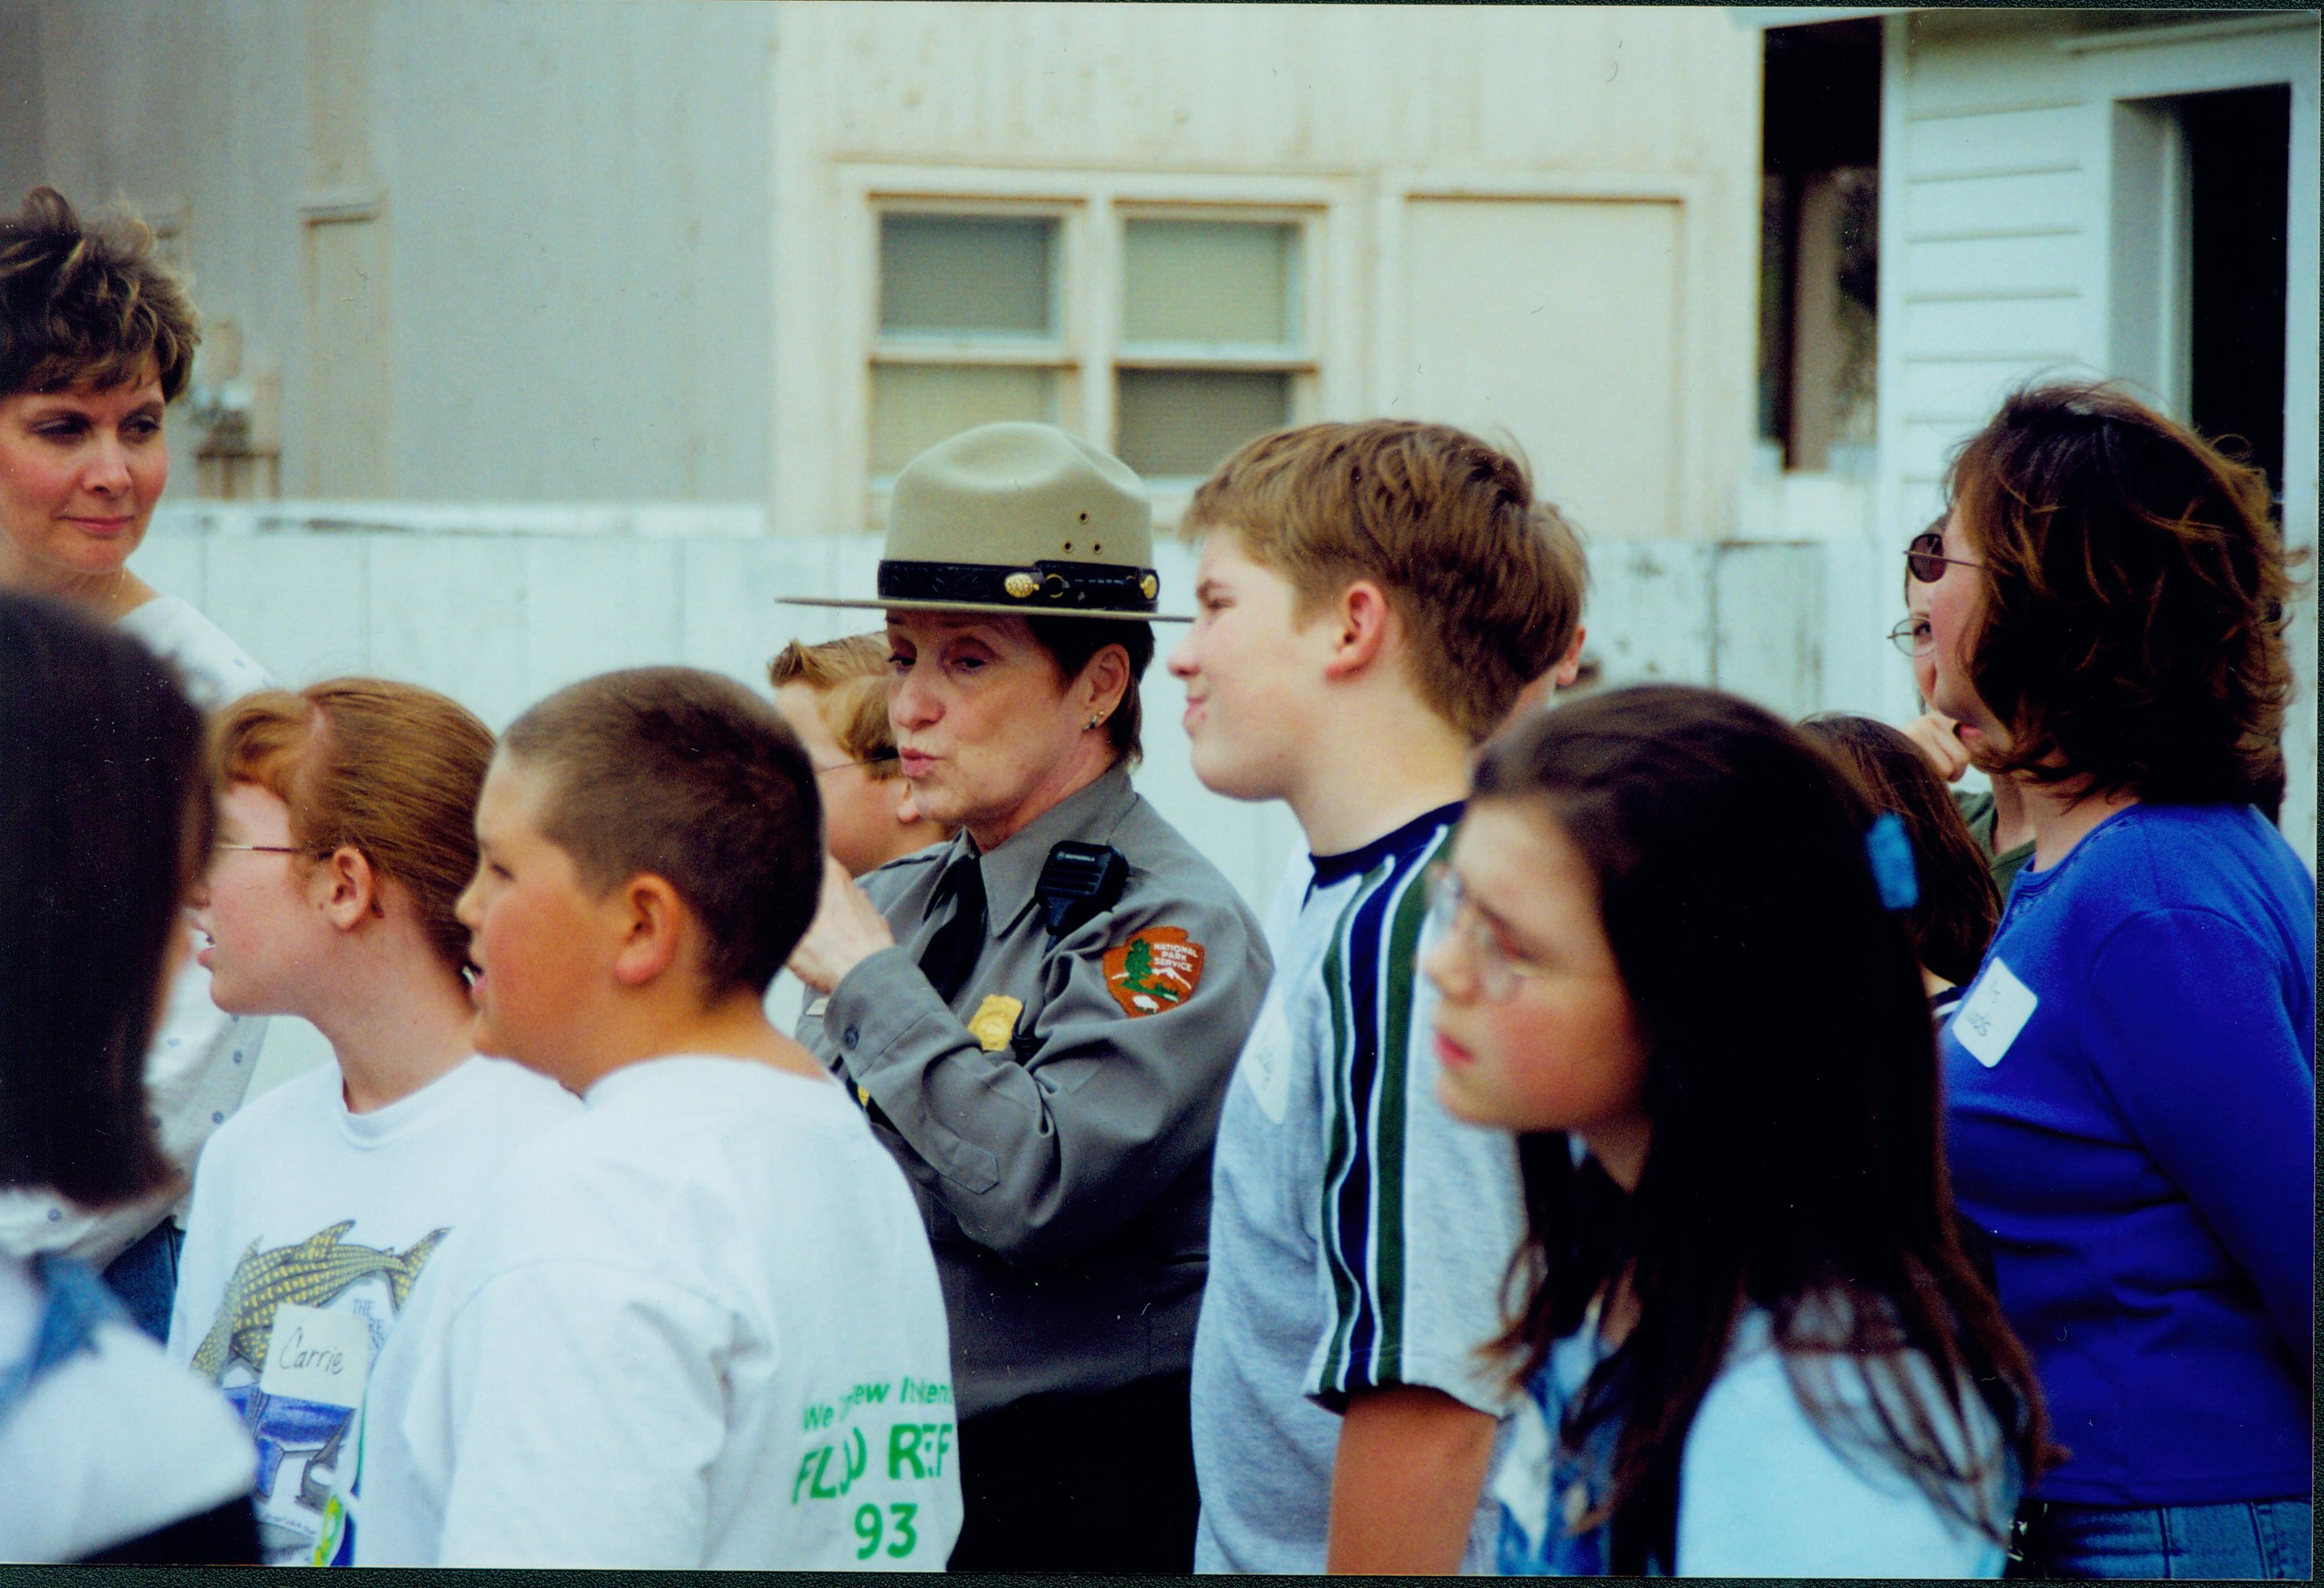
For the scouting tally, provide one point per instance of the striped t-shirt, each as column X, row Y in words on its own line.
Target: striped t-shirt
column 1359, row 1234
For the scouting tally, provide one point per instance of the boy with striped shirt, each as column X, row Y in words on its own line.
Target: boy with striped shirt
column 1372, row 600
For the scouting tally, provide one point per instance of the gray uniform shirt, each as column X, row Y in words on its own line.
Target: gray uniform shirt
column 1057, row 1120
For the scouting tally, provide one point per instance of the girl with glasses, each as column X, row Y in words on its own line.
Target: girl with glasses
column 834, row 696
column 2132, row 1077
column 1750, row 1342
column 345, row 833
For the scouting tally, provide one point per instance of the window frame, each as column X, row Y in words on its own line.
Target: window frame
column 1295, row 356
column 1059, row 353
column 1092, row 207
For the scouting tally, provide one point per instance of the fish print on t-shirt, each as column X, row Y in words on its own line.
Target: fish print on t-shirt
column 280, row 1291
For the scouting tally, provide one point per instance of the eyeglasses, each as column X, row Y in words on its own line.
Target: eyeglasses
column 841, row 766
column 1497, row 971
column 1914, row 637
column 1925, row 558
column 261, row 848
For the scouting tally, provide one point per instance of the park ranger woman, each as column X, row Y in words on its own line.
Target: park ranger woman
column 1040, row 1017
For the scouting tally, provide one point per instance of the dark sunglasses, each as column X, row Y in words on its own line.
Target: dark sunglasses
column 1925, row 558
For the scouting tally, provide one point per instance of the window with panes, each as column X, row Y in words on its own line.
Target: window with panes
column 1201, row 344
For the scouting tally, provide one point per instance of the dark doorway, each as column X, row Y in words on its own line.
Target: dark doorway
column 2238, row 168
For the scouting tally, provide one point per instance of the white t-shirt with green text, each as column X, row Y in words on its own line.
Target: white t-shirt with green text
column 696, row 1326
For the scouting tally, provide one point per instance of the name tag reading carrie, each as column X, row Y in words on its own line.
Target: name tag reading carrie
column 316, row 1355
column 1994, row 1011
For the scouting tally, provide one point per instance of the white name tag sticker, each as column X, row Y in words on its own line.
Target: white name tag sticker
column 1522, row 1482
column 316, row 1355
column 1994, row 1011
column 1267, row 1060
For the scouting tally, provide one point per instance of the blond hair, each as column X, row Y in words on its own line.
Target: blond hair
column 391, row 771
column 849, row 676
column 1487, row 580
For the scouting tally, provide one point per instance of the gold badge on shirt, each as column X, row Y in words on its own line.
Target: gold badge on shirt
column 995, row 1021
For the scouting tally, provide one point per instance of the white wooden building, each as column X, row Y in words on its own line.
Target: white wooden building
column 555, row 336
column 2044, row 211
column 524, row 308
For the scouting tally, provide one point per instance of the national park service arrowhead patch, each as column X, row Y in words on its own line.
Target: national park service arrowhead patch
column 1157, row 969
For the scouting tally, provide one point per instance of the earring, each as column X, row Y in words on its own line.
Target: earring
column 1097, row 721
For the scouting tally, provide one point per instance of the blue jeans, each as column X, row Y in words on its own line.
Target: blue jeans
column 145, row 1278
column 2243, row 1538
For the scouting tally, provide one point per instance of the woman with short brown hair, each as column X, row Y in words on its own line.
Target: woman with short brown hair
column 96, row 338
column 2130, row 1078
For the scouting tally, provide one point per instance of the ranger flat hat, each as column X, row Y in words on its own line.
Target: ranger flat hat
column 1021, row 520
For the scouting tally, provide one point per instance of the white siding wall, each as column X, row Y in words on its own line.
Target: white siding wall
column 498, row 607
column 1540, row 222
column 1998, row 219
column 554, row 286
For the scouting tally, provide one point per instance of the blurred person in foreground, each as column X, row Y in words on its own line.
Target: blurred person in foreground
column 834, row 696
column 2131, row 1077
column 96, row 338
column 106, row 1451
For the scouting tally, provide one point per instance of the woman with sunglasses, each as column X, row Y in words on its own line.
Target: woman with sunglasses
column 2131, row 1079
column 1996, row 815
column 96, row 338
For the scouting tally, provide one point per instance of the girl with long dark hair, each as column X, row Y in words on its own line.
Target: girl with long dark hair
column 1750, row 1340
column 107, row 1452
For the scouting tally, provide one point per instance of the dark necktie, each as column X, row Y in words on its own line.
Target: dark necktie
column 958, row 943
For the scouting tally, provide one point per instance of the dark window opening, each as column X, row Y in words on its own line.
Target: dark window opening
column 1819, row 277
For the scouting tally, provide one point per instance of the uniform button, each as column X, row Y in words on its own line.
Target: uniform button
column 55, row 1214
column 847, row 1038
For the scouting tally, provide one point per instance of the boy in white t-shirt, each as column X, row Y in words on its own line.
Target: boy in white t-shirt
column 699, row 1325
column 1372, row 600
column 346, row 828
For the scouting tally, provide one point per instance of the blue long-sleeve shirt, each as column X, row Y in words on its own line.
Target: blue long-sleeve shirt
column 2131, row 1084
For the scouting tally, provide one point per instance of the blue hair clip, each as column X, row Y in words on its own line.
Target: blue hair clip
column 1890, row 851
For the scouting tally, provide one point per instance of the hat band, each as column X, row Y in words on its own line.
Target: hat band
column 1046, row 587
